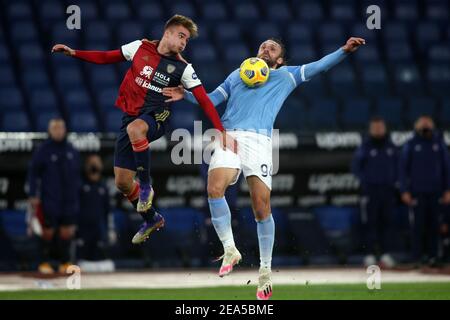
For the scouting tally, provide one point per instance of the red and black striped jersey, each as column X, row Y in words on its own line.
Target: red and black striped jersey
column 150, row 72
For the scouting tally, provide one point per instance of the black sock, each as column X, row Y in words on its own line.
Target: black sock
column 64, row 250
column 148, row 215
column 142, row 160
column 46, row 247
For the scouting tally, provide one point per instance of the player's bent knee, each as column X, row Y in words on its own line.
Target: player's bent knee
column 215, row 191
column 47, row 234
column 261, row 208
column 137, row 129
column 67, row 233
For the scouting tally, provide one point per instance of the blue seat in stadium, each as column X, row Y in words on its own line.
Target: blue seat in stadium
column 113, row 119
column 96, row 30
column 183, row 115
column 101, row 76
column 444, row 116
column 31, row 53
column 299, row 33
column 342, row 81
column 330, row 32
column 14, row 223
column 19, row 11
column 439, row 53
column 336, row 223
column 406, row 11
column 235, row 53
column 302, row 53
column 42, row 120
column 309, row 12
column 203, row 53
column 369, row 54
column 129, row 31
column 84, row 121
column 77, row 100
column 279, row 12
column 180, row 242
column 308, row 237
column 391, row 109
column 342, row 12
column 214, row 11
column 4, row 54
column 421, row 106
column 323, row 114
column 68, row 78
column 293, row 116
column 15, row 121
column 184, row 8
column 437, row 11
column 50, row 11
column 427, row 33
column 355, row 114
column 7, row 76
column 11, row 99
column 37, row 78
column 106, row 97
column 23, row 31
column 399, row 52
column 408, row 81
column 374, row 80
column 395, row 31
column 61, row 34
column 43, row 100
column 150, row 12
column 212, row 74
column 264, row 31
column 438, row 76
column 117, row 11
column 227, row 31
column 246, row 12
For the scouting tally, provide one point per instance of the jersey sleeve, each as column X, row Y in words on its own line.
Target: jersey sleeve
column 129, row 50
column 297, row 74
column 189, row 79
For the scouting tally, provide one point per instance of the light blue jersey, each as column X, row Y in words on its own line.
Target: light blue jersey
column 255, row 109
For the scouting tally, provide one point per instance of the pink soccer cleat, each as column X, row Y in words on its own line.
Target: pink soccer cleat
column 231, row 257
column 264, row 291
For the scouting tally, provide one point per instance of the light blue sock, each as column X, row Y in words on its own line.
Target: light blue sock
column 266, row 237
column 221, row 220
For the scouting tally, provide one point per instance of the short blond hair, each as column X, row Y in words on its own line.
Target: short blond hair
column 180, row 20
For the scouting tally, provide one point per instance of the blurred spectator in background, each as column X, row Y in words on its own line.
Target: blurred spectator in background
column 375, row 164
column 92, row 233
column 425, row 183
column 54, row 181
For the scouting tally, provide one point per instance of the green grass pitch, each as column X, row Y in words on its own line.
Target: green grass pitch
column 388, row 291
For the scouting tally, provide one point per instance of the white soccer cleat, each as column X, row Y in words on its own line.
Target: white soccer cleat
column 264, row 291
column 231, row 257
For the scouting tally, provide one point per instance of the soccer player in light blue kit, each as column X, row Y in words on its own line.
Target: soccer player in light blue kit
column 249, row 117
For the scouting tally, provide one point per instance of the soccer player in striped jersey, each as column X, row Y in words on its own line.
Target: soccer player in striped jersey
column 249, row 117
column 154, row 66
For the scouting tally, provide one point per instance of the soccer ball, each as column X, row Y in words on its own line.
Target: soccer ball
column 254, row 72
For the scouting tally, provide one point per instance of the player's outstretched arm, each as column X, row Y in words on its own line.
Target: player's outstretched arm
column 311, row 69
column 98, row 57
column 179, row 93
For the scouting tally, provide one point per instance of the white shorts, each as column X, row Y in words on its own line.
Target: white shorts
column 254, row 156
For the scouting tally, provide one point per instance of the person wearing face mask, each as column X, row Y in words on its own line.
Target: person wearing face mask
column 53, row 181
column 375, row 165
column 94, row 211
column 425, row 184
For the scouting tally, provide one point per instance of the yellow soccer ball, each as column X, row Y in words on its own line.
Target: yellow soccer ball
column 254, row 72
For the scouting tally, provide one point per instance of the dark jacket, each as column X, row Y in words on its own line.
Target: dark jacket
column 54, row 176
column 424, row 165
column 376, row 163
